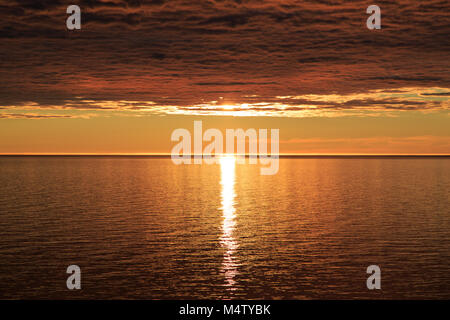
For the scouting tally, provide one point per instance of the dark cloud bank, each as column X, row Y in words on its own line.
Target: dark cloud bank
column 188, row 53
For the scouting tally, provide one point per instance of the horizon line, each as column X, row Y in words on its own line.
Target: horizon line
column 281, row 155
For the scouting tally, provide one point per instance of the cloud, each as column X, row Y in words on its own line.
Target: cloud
column 370, row 103
column 368, row 145
column 37, row 116
column 168, row 56
column 437, row 94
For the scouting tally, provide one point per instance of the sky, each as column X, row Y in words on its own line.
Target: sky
column 138, row 70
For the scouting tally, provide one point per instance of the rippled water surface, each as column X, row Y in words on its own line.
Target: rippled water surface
column 146, row 228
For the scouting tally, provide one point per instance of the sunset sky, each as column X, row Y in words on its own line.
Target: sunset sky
column 137, row 70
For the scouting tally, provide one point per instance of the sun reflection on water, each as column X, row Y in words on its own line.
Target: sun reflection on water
column 230, row 264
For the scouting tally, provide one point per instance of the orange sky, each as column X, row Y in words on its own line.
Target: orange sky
column 410, row 133
column 135, row 72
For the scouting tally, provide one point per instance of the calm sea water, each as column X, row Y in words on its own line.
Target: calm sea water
column 146, row 228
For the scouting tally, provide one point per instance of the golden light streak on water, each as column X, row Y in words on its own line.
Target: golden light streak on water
column 230, row 263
